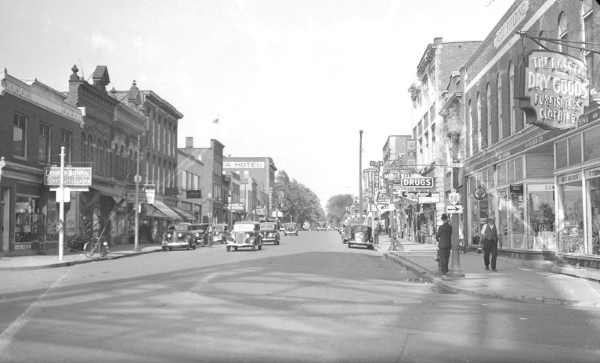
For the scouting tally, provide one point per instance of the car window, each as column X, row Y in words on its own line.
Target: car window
column 243, row 227
column 179, row 227
column 202, row 228
column 360, row 228
column 267, row 226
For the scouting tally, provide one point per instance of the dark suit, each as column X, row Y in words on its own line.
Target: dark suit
column 444, row 238
column 490, row 245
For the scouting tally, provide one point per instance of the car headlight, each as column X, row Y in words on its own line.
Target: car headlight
column 168, row 235
column 197, row 234
column 179, row 235
column 247, row 235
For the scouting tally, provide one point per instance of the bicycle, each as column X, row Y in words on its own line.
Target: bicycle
column 395, row 245
column 74, row 244
column 96, row 244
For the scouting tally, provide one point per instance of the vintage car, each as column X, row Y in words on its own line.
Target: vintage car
column 245, row 234
column 290, row 228
column 322, row 226
column 360, row 235
column 345, row 232
column 201, row 234
column 179, row 235
column 269, row 233
column 219, row 233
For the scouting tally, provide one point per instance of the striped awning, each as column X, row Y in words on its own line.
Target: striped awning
column 183, row 213
column 166, row 210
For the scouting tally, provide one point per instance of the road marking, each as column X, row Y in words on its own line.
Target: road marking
column 9, row 333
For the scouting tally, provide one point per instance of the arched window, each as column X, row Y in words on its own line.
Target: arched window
column 562, row 31
column 84, row 149
column 100, row 161
column 488, row 115
column 588, row 36
column 511, row 97
column 469, row 130
column 500, row 105
column 91, row 152
column 158, row 128
column 479, row 123
column 122, row 163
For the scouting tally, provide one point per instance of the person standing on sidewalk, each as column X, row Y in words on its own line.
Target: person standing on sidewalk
column 490, row 244
column 376, row 228
column 443, row 237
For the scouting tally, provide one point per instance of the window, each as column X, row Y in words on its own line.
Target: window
column 488, row 115
column 66, row 143
column 499, row 97
column 588, row 37
column 469, row 130
column 511, row 98
column 44, row 144
column 479, row 135
column 19, row 127
column 562, row 31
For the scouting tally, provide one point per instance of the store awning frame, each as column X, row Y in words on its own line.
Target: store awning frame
column 109, row 192
column 183, row 213
column 166, row 210
column 153, row 212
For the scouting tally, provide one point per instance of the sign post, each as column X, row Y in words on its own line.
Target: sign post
column 61, row 206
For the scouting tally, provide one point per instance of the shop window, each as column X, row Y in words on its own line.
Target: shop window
column 29, row 222
column 517, row 219
column 503, row 207
column 510, row 171
column 562, row 31
column 540, row 209
column 561, row 154
column 594, row 214
column 575, row 149
column 44, row 144
column 502, row 174
column 519, row 168
column 511, row 94
column 19, row 134
column 570, row 220
column 591, row 140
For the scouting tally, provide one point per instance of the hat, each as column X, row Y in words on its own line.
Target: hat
column 444, row 216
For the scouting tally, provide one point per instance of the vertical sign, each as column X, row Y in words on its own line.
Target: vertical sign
column 411, row 154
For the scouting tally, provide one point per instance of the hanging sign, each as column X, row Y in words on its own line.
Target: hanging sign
column 554, row 89
column 146, row 194
column 480, row 193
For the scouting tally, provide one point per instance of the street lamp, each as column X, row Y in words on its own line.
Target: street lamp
column 390, row 193
column 455, row 270
column 209, row 199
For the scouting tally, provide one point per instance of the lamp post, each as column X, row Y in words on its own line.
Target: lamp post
column 455, row 270
column 360, row 194
column 390, row 193
column 209, row 199
column 137, row 179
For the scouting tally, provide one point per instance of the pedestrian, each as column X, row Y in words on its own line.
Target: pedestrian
column 145, row 233
column 443, row 237
column 490, row 243
column 376, row 229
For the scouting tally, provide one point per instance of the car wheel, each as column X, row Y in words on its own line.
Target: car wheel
column 259, row 247
column 228, row 248
column 348, row 245
column 170, row 248
column 235, row 248
column 193, row 246
column 164, row 248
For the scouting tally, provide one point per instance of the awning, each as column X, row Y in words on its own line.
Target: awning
column 109, row 192
column 152, row 211
column 183, row 213
column 165, row 210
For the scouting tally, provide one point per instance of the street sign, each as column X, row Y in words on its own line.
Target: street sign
column 453, row 197
column 146, row 193
column 234, row 206
column 417, row 181
column 71, row 176
column 193, row 194
column 434, row 198
column 480, row 193
column 454, row 209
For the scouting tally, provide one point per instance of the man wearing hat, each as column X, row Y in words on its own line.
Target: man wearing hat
column 443, row 237
column 490, row 243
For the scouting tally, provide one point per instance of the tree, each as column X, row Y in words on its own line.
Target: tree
column 299, row 202
column 336, row 206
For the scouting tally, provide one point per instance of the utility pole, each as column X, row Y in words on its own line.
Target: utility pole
column 137, row 179
column 360, row 192
column 61, row 206
column 455, row 270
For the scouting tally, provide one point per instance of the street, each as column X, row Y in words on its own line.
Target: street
column 309, row 299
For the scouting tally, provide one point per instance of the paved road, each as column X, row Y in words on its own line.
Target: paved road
column 309, row 299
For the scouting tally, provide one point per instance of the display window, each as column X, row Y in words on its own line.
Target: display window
column 517, row 218
column 541, row 214
column 29, row 221
column 503, row 207
column 593, row 185
column 570, row 216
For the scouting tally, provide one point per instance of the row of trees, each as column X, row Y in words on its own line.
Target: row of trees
column 299, row 203
column 336, row 208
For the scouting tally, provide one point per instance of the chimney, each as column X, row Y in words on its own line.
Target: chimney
column 189, row 142
column 74, row 82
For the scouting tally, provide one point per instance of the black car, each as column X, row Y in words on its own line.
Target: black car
column 290, row 228
column 245, row 234
column 201, row 234
column 178, row 235
column 269, row 233
column 360, row 235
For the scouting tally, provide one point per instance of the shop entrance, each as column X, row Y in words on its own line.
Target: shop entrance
column 5, row 219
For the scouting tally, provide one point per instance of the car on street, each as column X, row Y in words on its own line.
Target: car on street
column 345, row 232
column 245, row 234
column 179, row 235
column 290, row 228
column 360, row 235
column 269, row 233
column 201, row 233
column 219, row 233
column 322, row 226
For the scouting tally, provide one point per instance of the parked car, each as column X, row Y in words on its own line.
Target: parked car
column 201, row 233
column 345, row 232
column 219, row 233
column 360, row 235
column 290, row 228
column 179, row 235
column 269, row 233
column 245, row 234
column 322, row 226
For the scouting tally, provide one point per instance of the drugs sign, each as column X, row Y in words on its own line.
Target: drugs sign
column 417, row 182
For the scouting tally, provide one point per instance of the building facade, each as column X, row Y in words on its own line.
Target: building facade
column 530, row 133
column 43, row 122
column 189, row 173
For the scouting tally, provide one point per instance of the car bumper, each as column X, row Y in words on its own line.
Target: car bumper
column 235, row 244
column 360, row 243
column 176, row 244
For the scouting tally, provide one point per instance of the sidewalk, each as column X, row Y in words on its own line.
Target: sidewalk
column 36, row 262
column 516, row 280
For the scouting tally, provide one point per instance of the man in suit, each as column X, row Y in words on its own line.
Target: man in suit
column 443, row 237
column 490, row 244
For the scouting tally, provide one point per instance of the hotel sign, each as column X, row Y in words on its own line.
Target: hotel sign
column 554, row 89
column 511, row 23
column 244, row 165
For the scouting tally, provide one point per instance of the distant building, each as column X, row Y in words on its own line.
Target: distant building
column 262, row 170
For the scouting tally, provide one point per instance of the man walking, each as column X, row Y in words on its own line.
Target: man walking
column 490, row 243
column 443, row 237
column 376, row 228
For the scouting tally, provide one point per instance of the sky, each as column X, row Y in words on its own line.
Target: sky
column 294, row 80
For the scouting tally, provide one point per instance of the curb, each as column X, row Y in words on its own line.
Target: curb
column 432, row 278
column 72, row 263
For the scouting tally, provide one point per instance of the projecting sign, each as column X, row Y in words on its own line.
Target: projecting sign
column 193, row 194
column 72, row 176
column 453, row 197
column 416, row 182
column 146, row 194
column 480, row 193
column 454, row 209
